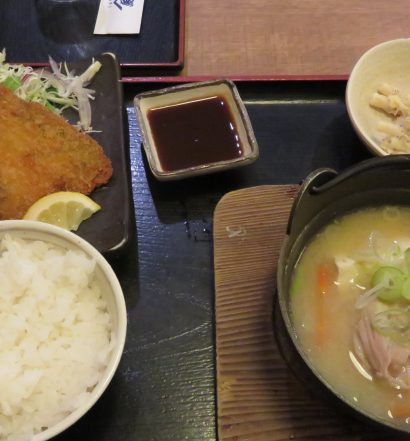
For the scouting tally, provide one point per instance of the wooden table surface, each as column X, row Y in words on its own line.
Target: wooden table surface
column 165, row 386
column 287, row 37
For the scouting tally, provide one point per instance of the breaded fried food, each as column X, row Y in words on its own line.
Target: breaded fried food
column 40, row 153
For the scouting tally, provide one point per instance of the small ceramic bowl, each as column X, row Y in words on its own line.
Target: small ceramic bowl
column 194, row 129
column 111, row 290
column 386, row 63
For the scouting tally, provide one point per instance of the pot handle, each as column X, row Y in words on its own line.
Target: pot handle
column 316, row 191
column 396, row 162
column 306, row 202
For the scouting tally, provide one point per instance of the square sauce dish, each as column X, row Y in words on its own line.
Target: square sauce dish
column 194, row 129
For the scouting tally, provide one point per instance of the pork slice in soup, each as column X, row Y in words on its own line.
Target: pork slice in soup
column 350, row 306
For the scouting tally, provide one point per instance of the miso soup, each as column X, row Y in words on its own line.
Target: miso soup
column 350, row 308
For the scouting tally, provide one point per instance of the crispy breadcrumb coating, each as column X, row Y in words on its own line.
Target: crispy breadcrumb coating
column 40, row 153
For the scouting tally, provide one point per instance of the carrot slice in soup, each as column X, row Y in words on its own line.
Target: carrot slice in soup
column 400, row 409
column 326, row 275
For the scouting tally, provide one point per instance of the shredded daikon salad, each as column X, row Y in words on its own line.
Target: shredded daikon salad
column 57, row 90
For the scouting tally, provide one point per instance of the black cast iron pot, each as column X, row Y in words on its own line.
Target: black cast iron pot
column 323, row 196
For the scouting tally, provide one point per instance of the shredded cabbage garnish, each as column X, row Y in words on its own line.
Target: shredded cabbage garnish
column 57, row 90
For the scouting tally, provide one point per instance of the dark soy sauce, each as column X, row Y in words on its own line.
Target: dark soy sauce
column 194, row 133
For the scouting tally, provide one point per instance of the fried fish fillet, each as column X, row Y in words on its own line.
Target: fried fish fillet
column 40, row 153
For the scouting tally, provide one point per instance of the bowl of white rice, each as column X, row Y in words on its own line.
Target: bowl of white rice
column 63, row 327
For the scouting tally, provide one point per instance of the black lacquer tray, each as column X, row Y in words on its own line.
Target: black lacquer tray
column 31, row 30
column 164, row 389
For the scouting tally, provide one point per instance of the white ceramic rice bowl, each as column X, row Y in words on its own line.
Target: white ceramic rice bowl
column 111, row 289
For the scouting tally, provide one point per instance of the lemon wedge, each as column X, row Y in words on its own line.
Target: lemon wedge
column 65, row 209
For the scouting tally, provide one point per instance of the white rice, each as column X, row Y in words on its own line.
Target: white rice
column 55, row 335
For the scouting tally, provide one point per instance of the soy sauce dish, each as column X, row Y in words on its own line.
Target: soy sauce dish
column 344, row 286
column 194, row 129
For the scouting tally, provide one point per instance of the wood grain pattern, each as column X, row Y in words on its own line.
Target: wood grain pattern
column 258, row 399
column 287, row 37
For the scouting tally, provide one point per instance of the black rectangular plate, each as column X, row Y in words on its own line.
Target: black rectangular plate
column 31, row 30
column 110, row 228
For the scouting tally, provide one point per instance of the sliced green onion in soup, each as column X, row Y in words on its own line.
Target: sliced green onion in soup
column 405, row 290
column 365, row 272
column 397, row 319
column 407, row 260
column 392, row 279
column 297, row 283
column 395, row 253
column 393, row 324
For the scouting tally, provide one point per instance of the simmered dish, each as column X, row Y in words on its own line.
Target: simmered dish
column 396, row 130
column 350, row 306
